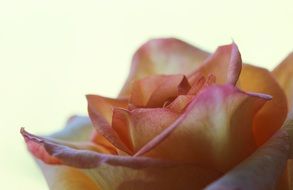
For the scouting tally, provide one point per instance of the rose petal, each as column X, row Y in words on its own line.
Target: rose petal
column 180, row 103
column 139, row 126
column 105, row 105
column 78, row 129
column 67, row 178
column 153, row 91
column 171, row 178
column 99, row 111
column 163, row 56
column 214, row 131
column 262, row 170
column 197, row 83
column 271, row 117
column 118, row 172
column 225, row 64
column 284, row 75
column 76, row 156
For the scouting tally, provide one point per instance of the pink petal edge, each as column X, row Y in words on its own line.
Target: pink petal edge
column 90, row 159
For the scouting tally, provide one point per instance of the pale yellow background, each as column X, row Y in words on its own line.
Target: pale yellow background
column 53, row 52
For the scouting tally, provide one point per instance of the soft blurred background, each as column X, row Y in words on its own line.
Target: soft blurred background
column 53, row 52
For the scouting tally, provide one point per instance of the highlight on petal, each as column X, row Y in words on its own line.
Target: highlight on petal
column 137, row 127
column 225, row 64
column 260, row 171
column 214, row 130
column 284, row 75
column 155, row 90
column 271, row 117
column 163, row 56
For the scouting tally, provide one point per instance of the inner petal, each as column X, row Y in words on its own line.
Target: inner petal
column 215, row 130
column 137, row 127
column 153, row 91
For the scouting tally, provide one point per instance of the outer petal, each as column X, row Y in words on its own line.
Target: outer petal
column 121, row 172
column 67, row 178
column 261, row 171
column 214, row 131
column 284, row 75
column 163, row 56
column 78, row 129
column 271, row 117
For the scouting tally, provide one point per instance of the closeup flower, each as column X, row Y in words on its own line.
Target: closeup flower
column 185, row 119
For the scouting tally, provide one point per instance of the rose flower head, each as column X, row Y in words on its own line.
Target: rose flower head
column 185, row 119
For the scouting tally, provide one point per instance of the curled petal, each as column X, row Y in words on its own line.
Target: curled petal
column 284, row 75
column 225, row 64
column 78, row 130
column 101, row 109
column 84, row 158
column 104, row 106
column 105, row 130
column 163, row 56
column 104, row 171
column 271, row 117
column 214, row 130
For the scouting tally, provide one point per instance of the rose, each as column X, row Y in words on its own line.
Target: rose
column 181, row 121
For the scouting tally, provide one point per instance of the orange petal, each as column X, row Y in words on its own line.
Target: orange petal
column 139, row 126
column 271, row 117
column 214, row 131
column 67, row 178
column 103, row 127
column 153, row 91
column 180, row 103
column 262, row 170
column 105, row 105
column 197, row 83
column 163, row 56
column 225, row 64
column 284, row 75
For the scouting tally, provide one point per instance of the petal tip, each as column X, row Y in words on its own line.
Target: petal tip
column 261, row 95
